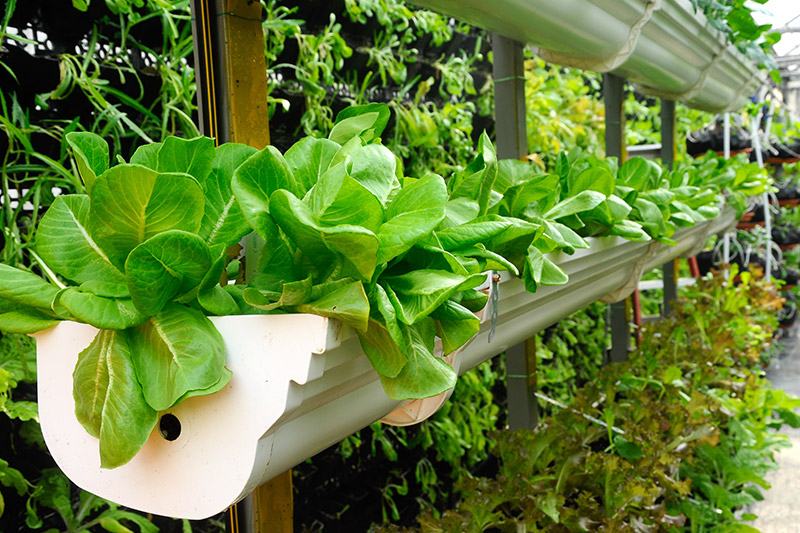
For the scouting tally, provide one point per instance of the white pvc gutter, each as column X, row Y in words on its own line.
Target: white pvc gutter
column 300, row 384
column 610, row 270
column 660, row 45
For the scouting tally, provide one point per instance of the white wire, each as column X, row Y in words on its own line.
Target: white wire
column 726, row 247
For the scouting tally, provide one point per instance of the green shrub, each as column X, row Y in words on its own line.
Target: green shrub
column 677, row 438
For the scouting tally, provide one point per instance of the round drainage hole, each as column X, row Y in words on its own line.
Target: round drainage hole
column 170, row 427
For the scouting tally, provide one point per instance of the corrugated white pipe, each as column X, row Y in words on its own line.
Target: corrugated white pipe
column 756, row 139
column 726, row 240
column 662, row 47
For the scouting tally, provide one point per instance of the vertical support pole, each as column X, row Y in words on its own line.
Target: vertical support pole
column 726, row 140
column 636, row 303
column 242, row 94
column 620, row 333
column 613, row 98
column 268, row 509
column 243, row 87
column 523, row 408
column 668, row 132
column 670, row 285
column 509, row 92
column 726, row 243
column 765, row 196
column 232, row 99
column 670, row 292
column 512, row 143
column 768, row 125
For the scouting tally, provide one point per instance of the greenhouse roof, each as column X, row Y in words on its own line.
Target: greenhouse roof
column 784, row 15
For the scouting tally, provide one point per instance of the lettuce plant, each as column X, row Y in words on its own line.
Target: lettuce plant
column 677, row 438
column 140, row 253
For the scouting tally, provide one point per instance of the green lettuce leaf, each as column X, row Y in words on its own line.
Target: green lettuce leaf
column 424, row 375
column 176, row 351
column 108, row 399
column 223, row 220
column 131, row 203
column 166, row 266
column 91, row 155
column 64, row 242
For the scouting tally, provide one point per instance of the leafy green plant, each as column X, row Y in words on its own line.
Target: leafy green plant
column 736, row 177
column 562, row 111
column 141, row 255
column 132, row 296
column 456, row 73
column 146, row 248
column 674, row 439
column 390, row 56
column 319, row 57
column 734, row 19
column 570, row 353
column 120, row 71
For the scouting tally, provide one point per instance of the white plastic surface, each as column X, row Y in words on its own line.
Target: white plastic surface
column 663, row 47
column 603, row 269
column 210, row 465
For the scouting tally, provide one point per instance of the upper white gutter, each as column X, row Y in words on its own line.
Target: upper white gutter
column 660, row 45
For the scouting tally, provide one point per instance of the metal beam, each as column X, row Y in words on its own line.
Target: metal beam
column 232, row 103
column 670, row 271
column 512, row 143
column 620, row 332
column 509, row 90
column 667, row 132
column 787, row 60
column 523, row 407
column 647, row 151
column 614, row 99
column 668, row 158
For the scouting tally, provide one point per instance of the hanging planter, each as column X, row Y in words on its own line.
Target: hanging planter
column 208, row 451
column 300, row 384
column 611, row 266
column 152, row 371
column 661, row 45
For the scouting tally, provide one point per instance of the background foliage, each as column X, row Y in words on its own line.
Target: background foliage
column 122, row 69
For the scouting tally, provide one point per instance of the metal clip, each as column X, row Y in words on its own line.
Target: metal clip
column 495, row 300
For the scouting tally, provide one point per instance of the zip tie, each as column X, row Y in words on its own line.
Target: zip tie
column 590, row 418
column 495, row 301
column 234, row 15
column 508, row 78
column 608, row 64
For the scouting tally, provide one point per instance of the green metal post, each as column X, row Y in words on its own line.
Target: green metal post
column 509, row 79
column 668, row 158
column 614, row 98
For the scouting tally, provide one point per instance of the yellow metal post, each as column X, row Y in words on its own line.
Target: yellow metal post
column 244, row 73
column 245, row 120
column 232, row 100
